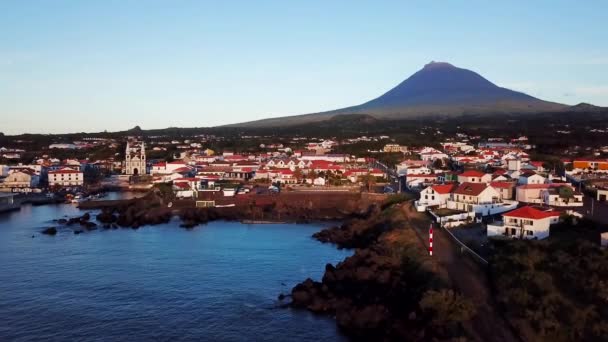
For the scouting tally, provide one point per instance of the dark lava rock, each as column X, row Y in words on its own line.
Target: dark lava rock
column 88, row 225
column 106, row 217
column 85, row 217
column 188, row 224
column 50, row 231
column 76, row 232
column 73, row 220
column 62, row 221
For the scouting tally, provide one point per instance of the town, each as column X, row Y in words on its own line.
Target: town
column 492, row 183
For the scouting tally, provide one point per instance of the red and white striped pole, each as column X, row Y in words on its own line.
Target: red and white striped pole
column 431, row 240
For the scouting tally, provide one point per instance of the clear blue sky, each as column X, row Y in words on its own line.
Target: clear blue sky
column 69, row 66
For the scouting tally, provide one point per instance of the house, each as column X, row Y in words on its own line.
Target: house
column 530, row 177
column 433, row 155
column 602, row 195
column 447, row 176
column 434, row 195
column 419, row 181
column 538, row 166
column 418, row 170
column 474, row 193
column 506, row 189
column 66, row 177
column 21, row 180
column 590, row 165
column 474, row 176
column 409, row 163
column 159, row 168
column 394, row 148
column 183, row 190
column 525, row 223
column 532, row 193
column 319, row 181
column 480, row 198
column 562, row 196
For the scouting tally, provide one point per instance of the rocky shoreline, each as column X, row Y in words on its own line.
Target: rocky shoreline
column 153, row 209
column 387, row 290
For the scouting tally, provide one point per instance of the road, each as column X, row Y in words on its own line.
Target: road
column 600, row 209
column 466, row 276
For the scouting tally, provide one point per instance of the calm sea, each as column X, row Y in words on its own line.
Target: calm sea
column 217, row 282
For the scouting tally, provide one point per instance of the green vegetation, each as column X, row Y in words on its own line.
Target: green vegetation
column 557, row 288
column 396, row 199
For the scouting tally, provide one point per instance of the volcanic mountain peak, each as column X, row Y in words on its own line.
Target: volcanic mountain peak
column 438, row 89
column 433, row 64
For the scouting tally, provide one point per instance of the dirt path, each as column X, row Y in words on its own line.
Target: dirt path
column 468, row 277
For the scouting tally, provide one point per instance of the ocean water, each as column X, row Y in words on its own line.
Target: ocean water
column 217, row 282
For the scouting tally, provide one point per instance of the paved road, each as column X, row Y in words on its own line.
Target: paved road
column 600, row 209
column 466, row 276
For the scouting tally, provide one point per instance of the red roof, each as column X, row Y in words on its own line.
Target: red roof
column 318, row 164
column 443, row 188
column 536, row 163
column 64, row 171
column 470, row 189
column 504, row 185
column 538, row 186
column 471, row 173
column 163, row 164
column 531, row 213
column 177, row 162
column 182, row 185
column 185, row 179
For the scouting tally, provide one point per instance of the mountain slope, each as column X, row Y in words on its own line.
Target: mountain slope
column 439, row 89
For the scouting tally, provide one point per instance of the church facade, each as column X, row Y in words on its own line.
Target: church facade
column 135, row 159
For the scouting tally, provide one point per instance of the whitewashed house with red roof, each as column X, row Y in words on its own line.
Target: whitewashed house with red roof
column 474, row 176
column 434, row 195
column 525, row 222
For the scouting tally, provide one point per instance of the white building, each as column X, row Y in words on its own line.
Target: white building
column 558, row 198
column 526, row 223
column 602, row 195
column 474, row 176
column 66, row 177
column 479, row 198
column 135, row 159
column 402, row 168
column 434, row 195
column 530, row 178
column 22, row 179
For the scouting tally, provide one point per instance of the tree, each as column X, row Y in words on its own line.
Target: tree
column 298, row 174
column 566, row 193
column 438, row 163
column 312, row 174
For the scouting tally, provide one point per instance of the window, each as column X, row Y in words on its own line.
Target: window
column 529, row 232
column 432, row 197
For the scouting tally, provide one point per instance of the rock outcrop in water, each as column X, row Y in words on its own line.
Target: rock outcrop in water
column 50, row 231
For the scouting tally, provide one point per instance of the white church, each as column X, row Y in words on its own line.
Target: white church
column 135, row 159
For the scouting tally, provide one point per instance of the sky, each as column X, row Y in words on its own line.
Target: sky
column 90, row 66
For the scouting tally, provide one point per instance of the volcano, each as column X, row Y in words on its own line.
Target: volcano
column 439, row 89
